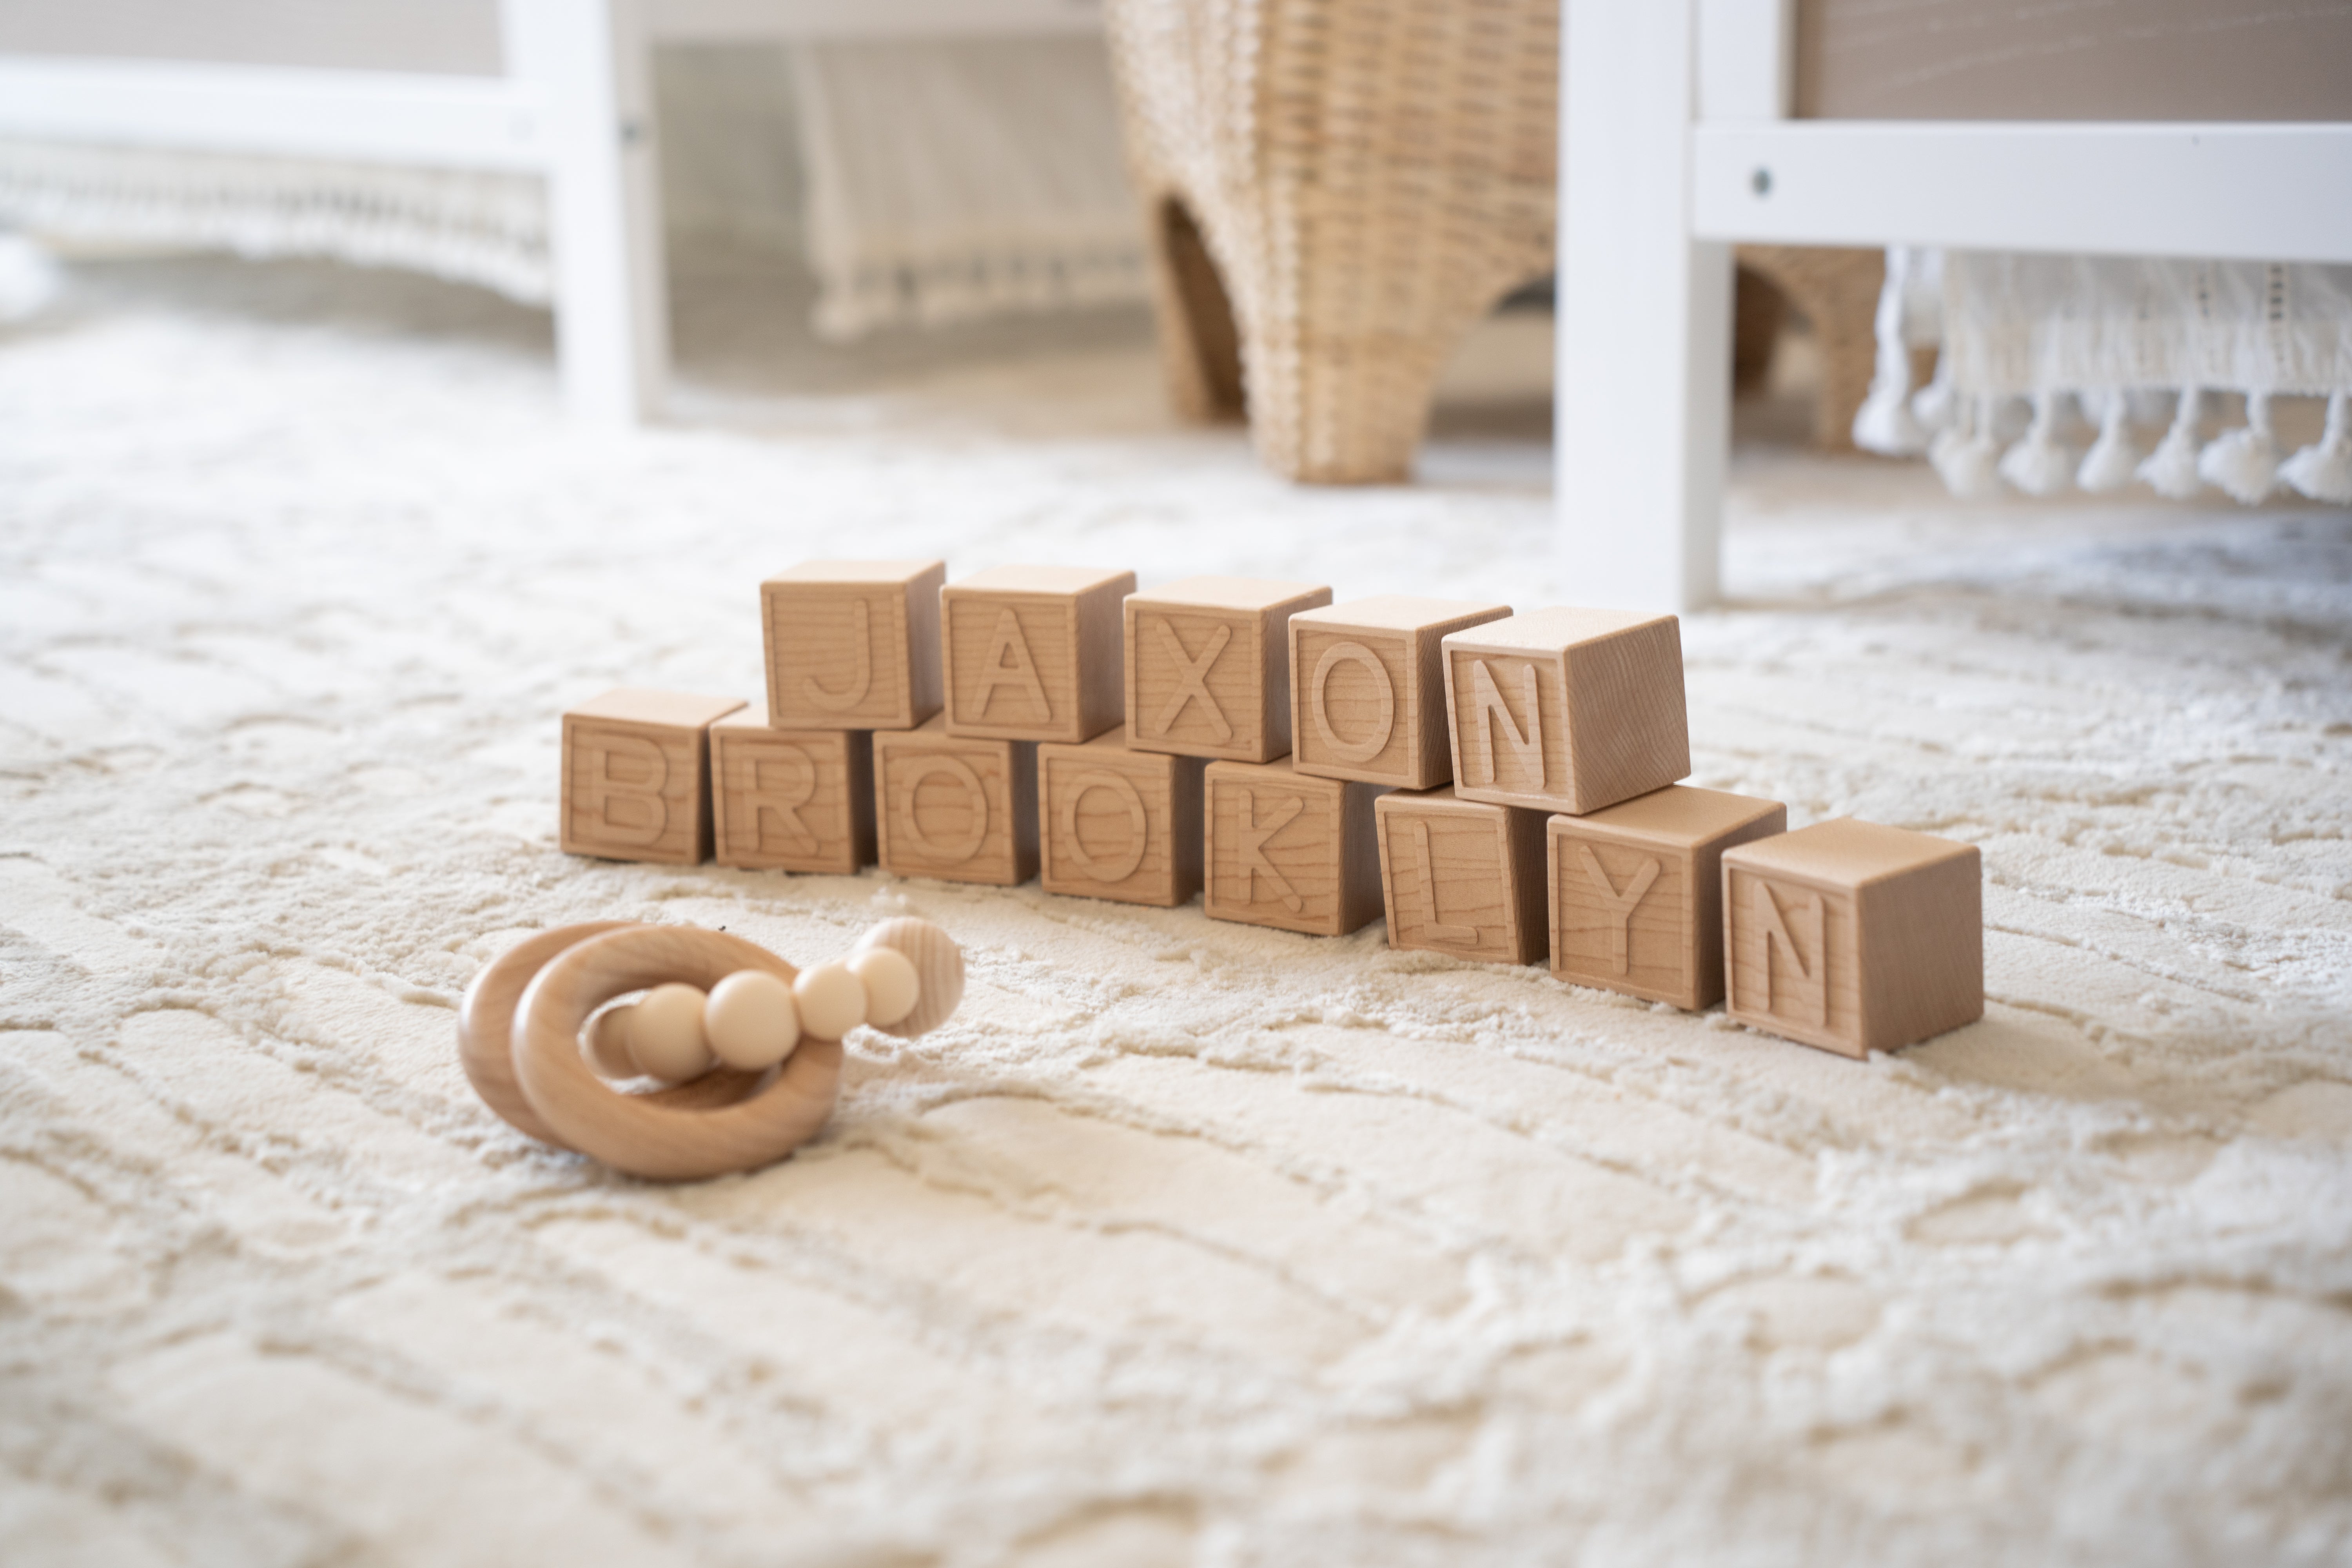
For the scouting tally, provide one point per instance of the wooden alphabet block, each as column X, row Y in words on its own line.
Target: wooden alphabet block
column 795, row 800
column 637, row 775
column 853, row 645
column 1290, row 851
column 955, row 807
column 1853, row 936
column 1567, row 709
column 1118, row 823
column 1636, row 891
column 1368, row 688
column 1034, row 652
column 1462, row 877
column 1208, row 667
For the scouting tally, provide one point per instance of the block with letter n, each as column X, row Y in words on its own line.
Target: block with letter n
column 1462, row 877
column 1208, row 667
column 1368, row 688
column 1636, row 904
column 1567, row 709
column 1289, row 851
column 1118, row 823
column 791, row 800
column 637, row 775
column 1853, row 936
column 1033, row 653
column 955, row 807
column 853, row 645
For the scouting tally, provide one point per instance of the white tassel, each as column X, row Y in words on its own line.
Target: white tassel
column 1965, row 454
column 28, row 280
column 2038, row 464
column 2244, row 462
column 2172, row 468
column 1883, row 422
column 2110, row 462
column 1935, row 405
column 2324, row 471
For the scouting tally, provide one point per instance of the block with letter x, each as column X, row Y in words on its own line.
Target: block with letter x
column 637, row 775
column 1208, row 667
column 793, row 800
column 1853, row 936
column 1289, row 851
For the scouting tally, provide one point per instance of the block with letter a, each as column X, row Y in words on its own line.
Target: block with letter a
column 955, row 807
column 1033, row 653
column 1636, row 904
column 793, row 800
column 636, row 768
column 1462, row 877
column 1853, row 936
column 1208, row 667
column 1567, row 709
column 1368, row 688
column 1290, row 851
column 1118, row 823
column 853, row 645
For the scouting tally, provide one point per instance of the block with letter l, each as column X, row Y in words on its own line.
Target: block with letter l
column 792, row 800
column 637, row 775
column 1462, row 877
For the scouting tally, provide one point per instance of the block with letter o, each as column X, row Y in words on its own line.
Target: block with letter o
column 1368, row 688
column 1118, row 823
column 955, row 807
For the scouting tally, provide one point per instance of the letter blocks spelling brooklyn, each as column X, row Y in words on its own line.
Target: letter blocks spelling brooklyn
column 1504, row 788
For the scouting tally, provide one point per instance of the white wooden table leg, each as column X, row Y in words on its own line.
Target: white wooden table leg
column 611, row 309
column 1643, row 386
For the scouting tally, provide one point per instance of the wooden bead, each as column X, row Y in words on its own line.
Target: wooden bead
column 608, row 1043
column 939, row 969
column 666, row 1032
column 892, row 986
column 831, row 1000
column 486, row 1022
column 750, row 1020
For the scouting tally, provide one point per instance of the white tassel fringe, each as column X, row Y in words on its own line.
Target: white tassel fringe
column 2038, row 464
column 28, row 280
column 2171, row 469
column 2112, row 459
column 2324, row 471
column 1966, row 456
column 2244, row 463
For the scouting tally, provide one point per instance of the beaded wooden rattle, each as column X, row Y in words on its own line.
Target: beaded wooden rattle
column 748, row 1047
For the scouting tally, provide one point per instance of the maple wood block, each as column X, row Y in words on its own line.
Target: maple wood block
column 1287, row 850
column 954, row 807
column 853, row 645
column 1208, row 667
column 1853, row 936
column 1368, row 688
column 1034, row 653
column 1636, row 891
column 1118, row 823
column 637, row 775
column 797, row 800
column 1461, row 876
column 1567, row 709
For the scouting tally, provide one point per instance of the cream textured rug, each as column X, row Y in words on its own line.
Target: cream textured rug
column 1186, row 1243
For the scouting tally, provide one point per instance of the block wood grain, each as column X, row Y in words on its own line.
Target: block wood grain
column 1853, row 936
column 1636, row 891
column 1118, row 823
column 955, row 807
column 853, row 645
column 1368, row 688
column 637, row 775
column 1461, row 876
column 1567, row 709
column 1208, row 666
column 1034, row 653
column 1289, row 851
column 793, row 800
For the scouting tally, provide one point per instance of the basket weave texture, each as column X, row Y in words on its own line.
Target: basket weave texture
column 1369, row 177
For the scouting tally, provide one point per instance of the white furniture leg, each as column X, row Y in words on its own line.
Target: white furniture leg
column 591, row 58
column 1642, row 404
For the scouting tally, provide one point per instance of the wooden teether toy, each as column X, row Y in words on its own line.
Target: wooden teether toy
column 748, row 1046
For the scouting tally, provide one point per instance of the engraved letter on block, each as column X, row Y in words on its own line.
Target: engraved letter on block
column 853, row 645
column 636, row 777
column 1462, row 877
column 955, row 807
column 792, row 800
column 1032, row 652
column 1368, row 688
column 1289, row 851
column 1118, row 823
column 1208, row 667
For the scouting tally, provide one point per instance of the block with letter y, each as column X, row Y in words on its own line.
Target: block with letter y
column 637, row 775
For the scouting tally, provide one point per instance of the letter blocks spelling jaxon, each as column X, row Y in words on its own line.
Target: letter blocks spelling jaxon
column 1504, row 786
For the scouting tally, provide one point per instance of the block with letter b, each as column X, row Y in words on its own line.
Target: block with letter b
column 1462, row 877
column 1368, row 688
column 793, row 800
column 1853, row 936
column 1032, row 652
column 1208, row 667
column 955, row 807
column 1290, row 851
column 1567, row 709
column 1636, row 901
column 1118, row 823
column 853, row 645
column 637, row 775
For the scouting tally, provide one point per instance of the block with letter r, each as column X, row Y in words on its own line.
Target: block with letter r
column 791, row 800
